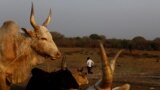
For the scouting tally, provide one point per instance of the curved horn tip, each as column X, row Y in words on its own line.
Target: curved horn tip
column 32, row 9
column 32, row 4
column 50, row 12
column 100, row 43
column 47, row 21
column 101, row 46
column 32, row 18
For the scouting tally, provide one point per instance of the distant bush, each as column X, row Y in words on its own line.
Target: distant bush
column 138, row 42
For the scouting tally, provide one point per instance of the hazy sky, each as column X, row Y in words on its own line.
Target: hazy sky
column 123, row 19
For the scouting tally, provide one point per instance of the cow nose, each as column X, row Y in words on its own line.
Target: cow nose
column 58, row 54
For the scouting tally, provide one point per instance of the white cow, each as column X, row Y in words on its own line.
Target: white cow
column 19, row 52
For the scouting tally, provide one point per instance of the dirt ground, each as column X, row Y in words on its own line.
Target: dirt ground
column 141, row 69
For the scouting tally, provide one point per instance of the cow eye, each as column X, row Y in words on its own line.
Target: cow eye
column 43, row 38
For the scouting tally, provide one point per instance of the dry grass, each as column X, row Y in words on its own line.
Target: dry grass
column 140, row 68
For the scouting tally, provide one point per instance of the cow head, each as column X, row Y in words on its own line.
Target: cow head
column 42, row 41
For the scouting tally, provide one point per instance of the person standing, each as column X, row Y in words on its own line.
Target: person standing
column 90, row 64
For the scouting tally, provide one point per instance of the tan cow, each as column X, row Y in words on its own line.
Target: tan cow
column 19, row 52
column 105, row 83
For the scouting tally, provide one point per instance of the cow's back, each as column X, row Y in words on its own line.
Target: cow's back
column 8, row 36
column 39, row 80
column 11, row 43
column 59, row 80
column 63, row 79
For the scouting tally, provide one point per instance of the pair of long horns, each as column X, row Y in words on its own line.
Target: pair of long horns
column 33, row 22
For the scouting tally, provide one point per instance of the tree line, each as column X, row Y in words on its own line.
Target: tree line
column 138, row 42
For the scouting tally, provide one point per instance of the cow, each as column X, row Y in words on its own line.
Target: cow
column 59, row 80
column 62, row 79
column 105, row 83
column 19, row 52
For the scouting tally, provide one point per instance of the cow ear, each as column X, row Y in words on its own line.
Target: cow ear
column 29, row 33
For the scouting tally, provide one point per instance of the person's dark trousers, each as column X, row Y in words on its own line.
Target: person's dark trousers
column 89, row 70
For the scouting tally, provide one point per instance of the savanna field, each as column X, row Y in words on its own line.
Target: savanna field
column 141, row 69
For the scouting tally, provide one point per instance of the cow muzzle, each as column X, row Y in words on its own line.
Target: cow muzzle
column 56, row 56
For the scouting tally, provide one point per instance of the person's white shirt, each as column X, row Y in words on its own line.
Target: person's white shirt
column 90, row 63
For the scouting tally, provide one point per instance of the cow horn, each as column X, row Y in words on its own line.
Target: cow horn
column 106, row 69
column 47, row 21
column 32, row 18
column 123, row 87
column 113, row 61
column 63, row 63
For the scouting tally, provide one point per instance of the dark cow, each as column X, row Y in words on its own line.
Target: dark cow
column 59, row 80
column 62, row 79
